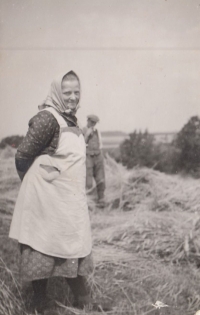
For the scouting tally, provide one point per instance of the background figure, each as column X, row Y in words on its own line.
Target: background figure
column 94, row 158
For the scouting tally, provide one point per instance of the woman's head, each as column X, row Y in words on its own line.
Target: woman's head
column 64, row 94
column 70, row 87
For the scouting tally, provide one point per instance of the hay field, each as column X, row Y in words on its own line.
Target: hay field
column 146, row 245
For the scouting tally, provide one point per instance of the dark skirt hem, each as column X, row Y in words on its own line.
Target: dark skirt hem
column 35, row 265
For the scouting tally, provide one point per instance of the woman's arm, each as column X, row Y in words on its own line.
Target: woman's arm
column 42, row 129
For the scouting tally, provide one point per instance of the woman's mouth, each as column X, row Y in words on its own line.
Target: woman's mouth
column 71, row 105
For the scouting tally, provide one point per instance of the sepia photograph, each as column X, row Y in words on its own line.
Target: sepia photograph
column 100, row 157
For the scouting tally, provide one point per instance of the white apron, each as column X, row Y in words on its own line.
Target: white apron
column 51, row 213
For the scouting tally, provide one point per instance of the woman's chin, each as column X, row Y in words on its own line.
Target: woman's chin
column 70, row 111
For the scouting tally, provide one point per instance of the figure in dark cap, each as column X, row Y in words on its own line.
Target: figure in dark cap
column 94, row 158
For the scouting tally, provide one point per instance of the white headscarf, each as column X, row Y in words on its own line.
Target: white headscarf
column 55, row 98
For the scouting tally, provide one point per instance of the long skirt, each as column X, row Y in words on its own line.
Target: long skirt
column 35, row 265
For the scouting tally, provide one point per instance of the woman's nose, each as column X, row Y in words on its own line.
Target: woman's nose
column 73, row 96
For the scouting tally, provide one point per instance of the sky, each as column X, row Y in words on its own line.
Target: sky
column 138, row 60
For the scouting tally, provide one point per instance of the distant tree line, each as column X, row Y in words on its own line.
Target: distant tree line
column 181, row 155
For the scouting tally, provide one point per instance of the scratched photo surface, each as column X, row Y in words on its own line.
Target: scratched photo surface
column 138, row 62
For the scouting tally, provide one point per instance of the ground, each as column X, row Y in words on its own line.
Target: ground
column 146, row 245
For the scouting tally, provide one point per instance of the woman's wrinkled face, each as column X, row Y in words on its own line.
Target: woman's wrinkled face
column 71, row 93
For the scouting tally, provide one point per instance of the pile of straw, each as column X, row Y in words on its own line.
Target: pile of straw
column 173, row 238
column 128, row 189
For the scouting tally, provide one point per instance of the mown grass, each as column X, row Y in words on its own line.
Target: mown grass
column 146, row 245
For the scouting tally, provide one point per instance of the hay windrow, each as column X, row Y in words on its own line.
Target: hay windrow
column 174, row 238
column 128, row 189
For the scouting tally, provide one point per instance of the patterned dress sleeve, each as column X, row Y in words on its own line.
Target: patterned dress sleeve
column 42, row 128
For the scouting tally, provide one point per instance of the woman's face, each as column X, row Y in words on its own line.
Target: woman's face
column 71, row 93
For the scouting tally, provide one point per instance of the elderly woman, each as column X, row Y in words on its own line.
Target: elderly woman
column 51, row 220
